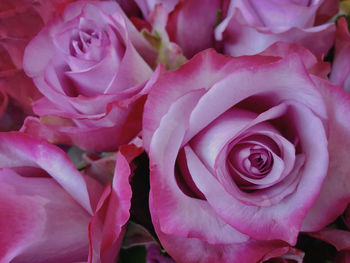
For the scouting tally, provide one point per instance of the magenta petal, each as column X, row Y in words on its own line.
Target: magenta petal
column 68, row 133
column 335, row 193
column 108, row 225
column 29, row 208
column 338, row 238
column 118, row 207
column 191, row 25
column 340, row 67
column 28, row 151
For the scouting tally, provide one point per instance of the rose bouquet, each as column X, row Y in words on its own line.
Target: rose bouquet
column 174, row 131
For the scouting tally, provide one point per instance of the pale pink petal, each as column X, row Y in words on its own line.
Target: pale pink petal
column 258, row 80
column 275, row 14
column 188, row 250
column 237, row 38
column 176, row 217
column 282, row 220
column 315, row 65
column 203, row 71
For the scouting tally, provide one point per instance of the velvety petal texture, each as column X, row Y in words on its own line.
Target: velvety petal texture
column 251, row 26
column 91, row 65
column 248, row 146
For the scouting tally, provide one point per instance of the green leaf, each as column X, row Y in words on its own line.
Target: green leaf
column 135, row 254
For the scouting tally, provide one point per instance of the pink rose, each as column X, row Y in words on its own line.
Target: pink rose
column 341, row 63
column 88, row 66
column 252, row 26
column 245, row 153
column 50, row 212
column 19, row 22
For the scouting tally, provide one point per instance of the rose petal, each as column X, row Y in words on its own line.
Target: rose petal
column 32, row 206
column 334, row 195
column 283, row 220
column 258, row 80
column 191, row 25
column 28, row 151
column 237, row 37
column 177, row 215
column 340, row 66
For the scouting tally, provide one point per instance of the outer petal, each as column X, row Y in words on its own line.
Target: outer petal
column 175, row 210
column 246, row 252
column 276, row 14
column 203, row 71
column 17, row 26
column 237, row 37
column 28, row 151
column 191, row 25
column 340, row 239
column 341, row 63
column 30, row 210
column 20, row 88
column 107, row 226
column 326, row 11
column 35, row 65
column 315, row 66
column 64, row 131
column 287, row 80
column 335, row 193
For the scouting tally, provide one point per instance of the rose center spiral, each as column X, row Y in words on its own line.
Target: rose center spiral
column 249, row 160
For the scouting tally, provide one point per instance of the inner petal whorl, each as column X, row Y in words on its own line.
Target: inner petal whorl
column 250, row 160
